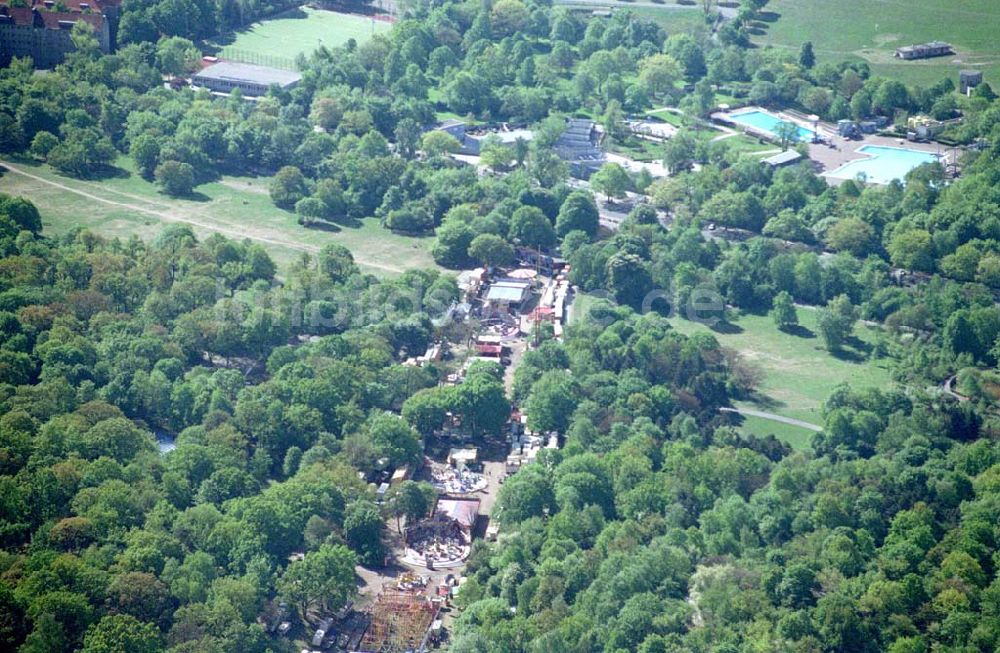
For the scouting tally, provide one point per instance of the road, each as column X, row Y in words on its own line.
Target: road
column 237, row 232
column 495, row 472
column 771, row 416
column 725, row 12
column 949, row 389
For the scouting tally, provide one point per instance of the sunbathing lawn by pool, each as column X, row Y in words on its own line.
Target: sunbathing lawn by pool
column 768, row 123
column 882, row 164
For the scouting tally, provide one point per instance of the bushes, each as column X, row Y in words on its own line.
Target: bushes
column 175, row 178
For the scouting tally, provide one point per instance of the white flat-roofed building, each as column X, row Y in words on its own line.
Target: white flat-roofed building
column 252, row 80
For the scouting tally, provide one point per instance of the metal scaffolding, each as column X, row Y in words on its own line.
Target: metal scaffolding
column 400, row 621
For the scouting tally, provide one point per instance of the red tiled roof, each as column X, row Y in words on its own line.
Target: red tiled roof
column 72, row 6
column 53, row 18
column 20, row 15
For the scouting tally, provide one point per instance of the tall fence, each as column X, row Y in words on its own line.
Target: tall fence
column 248, row 56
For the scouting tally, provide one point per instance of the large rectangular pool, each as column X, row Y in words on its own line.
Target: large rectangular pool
column 883, row 164
column 767, row 123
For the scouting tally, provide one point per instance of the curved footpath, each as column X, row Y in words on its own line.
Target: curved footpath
column 771, row 416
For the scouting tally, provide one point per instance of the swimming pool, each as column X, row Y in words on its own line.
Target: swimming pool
column 768, row 123
column 883, row 164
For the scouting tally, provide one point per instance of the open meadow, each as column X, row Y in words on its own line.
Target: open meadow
column 237, row 207
column 796, row 373
column 674, row 19
column 872, row 29
column 299, row 31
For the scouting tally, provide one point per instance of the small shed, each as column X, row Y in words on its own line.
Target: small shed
column 321, row 632
column 484, row 349
column 786, row 158
column 453, row 127
column 969, row 79
column 401, row 474
column 924, row 50
column 847, row 128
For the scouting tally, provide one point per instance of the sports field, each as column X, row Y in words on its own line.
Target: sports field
column 299, row 31
column 236, row 207
column 872, row 29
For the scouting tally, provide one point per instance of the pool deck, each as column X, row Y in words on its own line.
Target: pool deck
column 835, row 150
column 845, row 150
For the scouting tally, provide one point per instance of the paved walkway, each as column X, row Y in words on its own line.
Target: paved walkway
column 771, row 416
column 655, row 168
column 725, row 12
column 949, row 389
column 845, row 150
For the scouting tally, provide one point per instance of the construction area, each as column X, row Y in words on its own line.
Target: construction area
column 403, row 618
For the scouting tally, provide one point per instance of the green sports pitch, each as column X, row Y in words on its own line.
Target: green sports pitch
column 300, row 31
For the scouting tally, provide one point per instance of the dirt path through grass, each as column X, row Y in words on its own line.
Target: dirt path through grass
column 228, row 229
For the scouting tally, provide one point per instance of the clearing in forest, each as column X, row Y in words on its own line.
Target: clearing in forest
column 797, row 372
column 236, row 207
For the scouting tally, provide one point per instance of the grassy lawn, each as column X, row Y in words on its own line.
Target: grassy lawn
column 667, row 116
column 436, row 97
column 796, row 437
column 872, row 29
column 725, row 98
column 237, row 207
column 797, row 373
column 747, row 145
column 582, row 303
column 297, row 31
column 673, row 20
column 637, row 149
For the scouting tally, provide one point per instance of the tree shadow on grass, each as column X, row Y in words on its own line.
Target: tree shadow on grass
column 766, row 403
column 847, row 355
column 324, row 226
column 798, row 331
column 726, row 328
column 100, row 173
column 346, row 222
column 193, row 196
column 296, row 13
column 859, row 345
column 768, row 16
